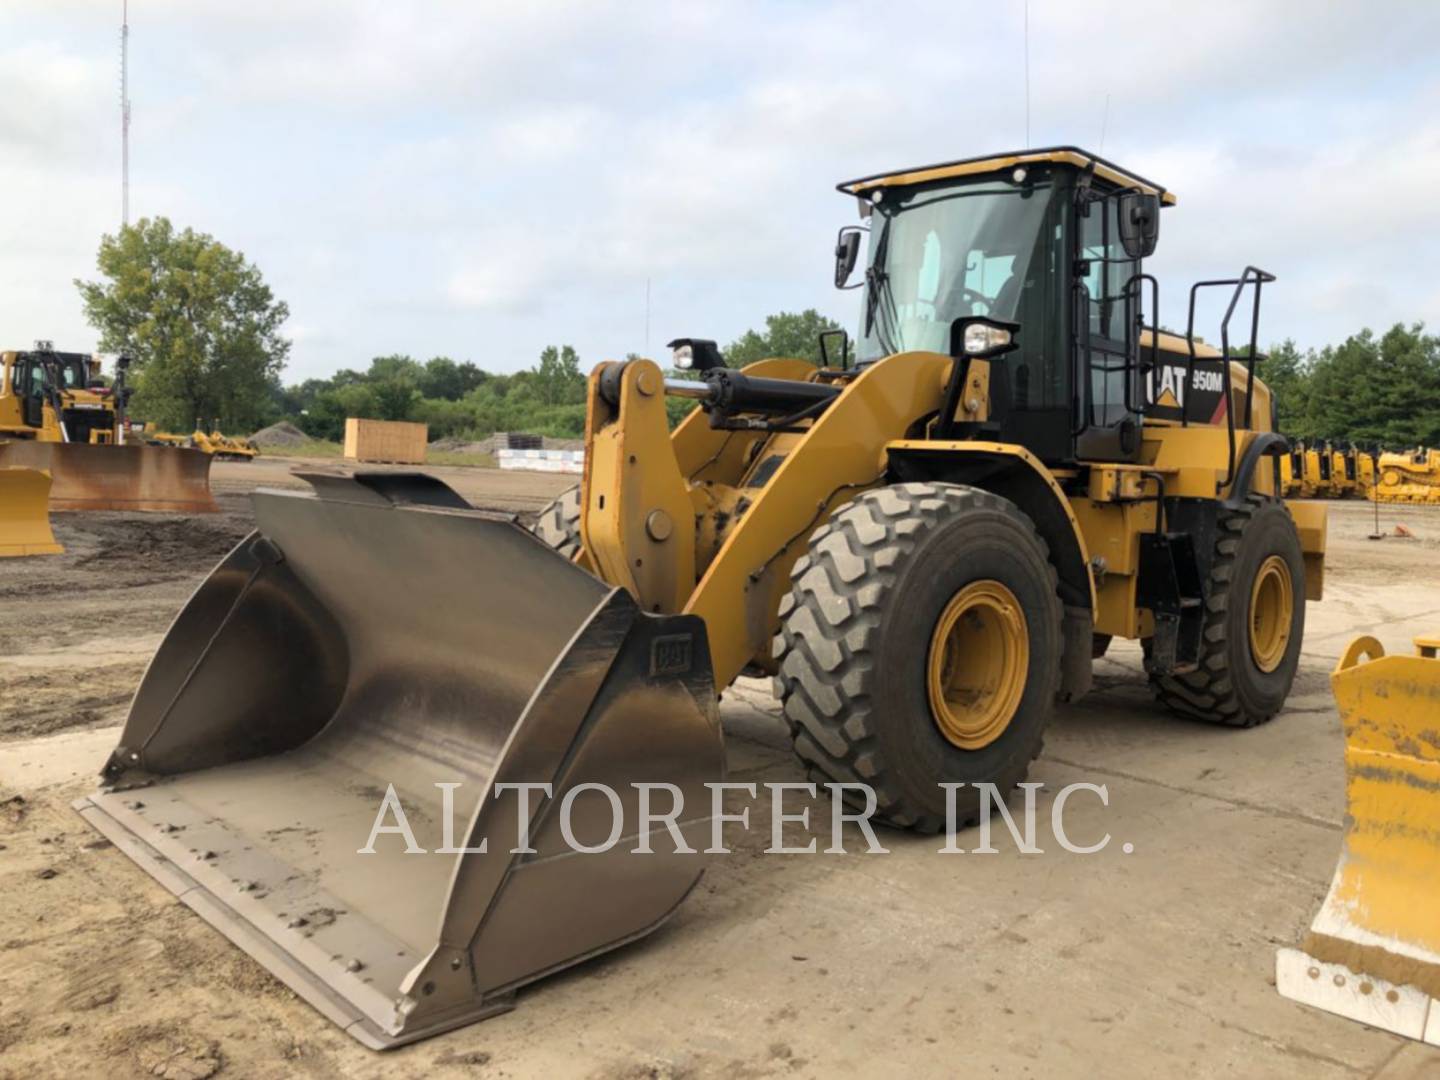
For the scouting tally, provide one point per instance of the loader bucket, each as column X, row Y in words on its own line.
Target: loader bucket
column 91, row 476
column 370, row 642
column 25, row 514
column 1373, row 951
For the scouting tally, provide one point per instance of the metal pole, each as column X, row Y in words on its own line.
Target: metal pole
column 1027, row 74
column 125, row 113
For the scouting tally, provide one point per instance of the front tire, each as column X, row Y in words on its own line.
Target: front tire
column 910, row 594
column 1254, row 621
column 559, row 523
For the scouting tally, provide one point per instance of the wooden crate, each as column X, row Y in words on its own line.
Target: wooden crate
column 386, row 440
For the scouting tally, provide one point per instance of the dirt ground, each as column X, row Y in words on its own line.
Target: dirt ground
column 1158, row 961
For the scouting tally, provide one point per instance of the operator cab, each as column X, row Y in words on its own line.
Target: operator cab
column 1038, row 255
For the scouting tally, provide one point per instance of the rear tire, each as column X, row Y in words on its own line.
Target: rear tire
column 1230, row 686
column 855, row 646
column 559, row 523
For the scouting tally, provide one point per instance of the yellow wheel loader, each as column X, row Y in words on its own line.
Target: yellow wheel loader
column 25, row 514
column 1292, row 471
column 1373, row 952
column 1344, row 472
column 57, row 416
column 926, row 547
column 1317, row 478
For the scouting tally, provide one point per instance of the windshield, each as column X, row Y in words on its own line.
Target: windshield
column 70, row 371
column 941, row 254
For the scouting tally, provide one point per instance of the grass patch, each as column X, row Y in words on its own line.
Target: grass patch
column 315, row 448
column 454, row 457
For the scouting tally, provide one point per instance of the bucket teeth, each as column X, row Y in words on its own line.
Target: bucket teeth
column 377, row 650
column 1373, row 951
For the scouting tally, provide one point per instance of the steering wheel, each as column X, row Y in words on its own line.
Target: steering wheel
column 971, row 297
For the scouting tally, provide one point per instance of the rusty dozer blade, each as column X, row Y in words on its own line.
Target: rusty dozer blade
column 92, row 476
column 1373, row 951
column 25, row 514
column 369, row 643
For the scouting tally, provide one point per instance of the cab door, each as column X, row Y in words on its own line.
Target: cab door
column 29, row 386
column 1107, row 387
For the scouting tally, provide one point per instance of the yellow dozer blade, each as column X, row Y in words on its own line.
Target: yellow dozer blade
column 25, row 514
column 381, row 636
column 1373, row 951
column 92, row 476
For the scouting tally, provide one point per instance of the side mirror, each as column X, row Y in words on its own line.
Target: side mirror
column 847, row 253
column 828, row 361
column 1139, row 223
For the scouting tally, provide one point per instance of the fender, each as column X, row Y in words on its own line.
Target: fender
column 1266, row 442
column 1015, row 473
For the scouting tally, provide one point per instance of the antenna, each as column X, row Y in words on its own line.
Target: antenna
column 124, row 113
column 1104, row 123
column 1027, row 74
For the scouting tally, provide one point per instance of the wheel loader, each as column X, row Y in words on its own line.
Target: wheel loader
column 925, row 547
column 58, row 416
column 1373, row 952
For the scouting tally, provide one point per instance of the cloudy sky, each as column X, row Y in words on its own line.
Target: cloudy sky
column 480, row 179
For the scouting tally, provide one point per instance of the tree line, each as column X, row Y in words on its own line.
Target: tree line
column 204, row 331
column 1367, row 390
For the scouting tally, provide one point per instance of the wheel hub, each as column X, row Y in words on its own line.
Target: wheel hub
column 1272, row 605
column 979, row 657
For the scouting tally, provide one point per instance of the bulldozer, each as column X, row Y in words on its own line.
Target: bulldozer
column 25, row 514
column 925, row 541
column 1411, row 476
column 57, row 415
column 1373, row 951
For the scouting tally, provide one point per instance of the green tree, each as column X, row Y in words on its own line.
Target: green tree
column 198, row 320
column 786, row 334
column 557, row 378
column 1286, row 371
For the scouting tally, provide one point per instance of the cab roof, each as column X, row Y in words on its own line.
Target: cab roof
column 1061, row 155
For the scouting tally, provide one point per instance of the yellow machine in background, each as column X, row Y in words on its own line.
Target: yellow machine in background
column 1315, row 478
column 1408, row 477
column 926, row 547
column 1365, row 470
column 58, row 416
column 1344, row 472
column 25, row 514
column 218, row 445
column 1292, row 472
column 1373, row 952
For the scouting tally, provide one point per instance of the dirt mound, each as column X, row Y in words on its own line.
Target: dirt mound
column 281, row 434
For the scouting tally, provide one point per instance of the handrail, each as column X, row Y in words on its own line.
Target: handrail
column 1251, row 275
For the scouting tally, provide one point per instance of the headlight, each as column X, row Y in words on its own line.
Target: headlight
column 983, row 338
column 695, row 354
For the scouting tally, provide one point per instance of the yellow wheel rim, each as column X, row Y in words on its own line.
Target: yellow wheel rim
column 1272, row 604
column 979, row 656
